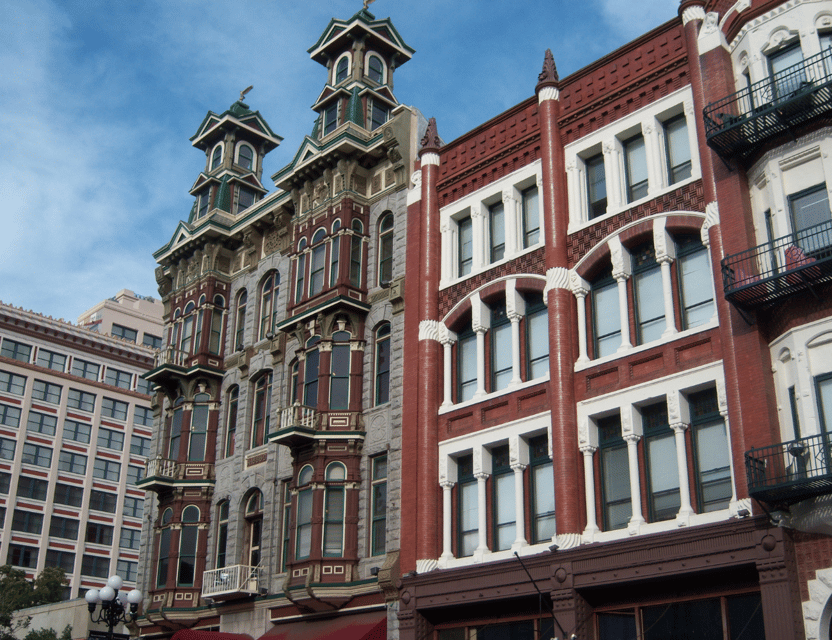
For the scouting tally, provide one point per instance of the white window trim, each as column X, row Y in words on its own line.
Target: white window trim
column 516, row 435
column 221, row 145
column 240, row 145
column 509, row 190
column 647, row 121
column 383, row 65
column 348, row 56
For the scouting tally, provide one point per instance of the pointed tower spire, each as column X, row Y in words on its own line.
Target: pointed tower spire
column 431, row 141
column 549, row 76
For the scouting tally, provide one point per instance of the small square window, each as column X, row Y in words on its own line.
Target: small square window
column 16, row 350
column 85, row 369
column 12, row 383
column 51, row 360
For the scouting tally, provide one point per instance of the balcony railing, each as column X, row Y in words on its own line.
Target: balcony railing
column 740, row 123
column 170, row 355
column 789, row 472
column 161, row 468
column 778, row 269
column 239, row 579
column 297, row 415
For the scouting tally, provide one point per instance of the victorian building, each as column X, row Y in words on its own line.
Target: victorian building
column 275, row 475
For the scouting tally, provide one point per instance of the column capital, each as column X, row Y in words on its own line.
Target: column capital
column 518, row 466
column 692, row 12
column 632, row 438
column 588, row 449
column 481, row 475
column 556, row 278
column 447, row 484
column 679, row 427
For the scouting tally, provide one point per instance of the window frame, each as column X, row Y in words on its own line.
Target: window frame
column 386, row 229
column 382, row 361
column 611, row 441
column 261, row 413
column 378, row 505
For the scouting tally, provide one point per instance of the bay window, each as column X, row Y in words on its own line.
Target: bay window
column 311, row 372
column 163, row 548
column 176, row 429
column 303, row 527
column 318, row 263
column 300, row 273
column 186, row 340
column 199, row 428
column 339, row 381
column 334, row 253
column 217, row 316
column 334, row 499
column 356, row 253
column 188, row 536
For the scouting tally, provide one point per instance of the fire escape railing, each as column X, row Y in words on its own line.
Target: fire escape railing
column 792, row 471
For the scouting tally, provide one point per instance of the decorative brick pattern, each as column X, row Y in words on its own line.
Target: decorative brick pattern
column 812, row 552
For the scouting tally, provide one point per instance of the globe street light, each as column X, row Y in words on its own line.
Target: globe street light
column 112, row 604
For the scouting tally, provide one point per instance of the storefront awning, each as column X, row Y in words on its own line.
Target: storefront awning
column 362, row 626
column 197, row 634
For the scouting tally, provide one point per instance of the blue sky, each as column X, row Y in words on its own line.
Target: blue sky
column 98, row 100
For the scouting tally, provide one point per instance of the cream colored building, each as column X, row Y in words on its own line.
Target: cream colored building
column 129, row 316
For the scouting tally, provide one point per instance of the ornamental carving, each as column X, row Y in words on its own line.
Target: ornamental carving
column 710, row 24
column 389, row 177
column 164, row 281
column 431, row 139
column 359, row 185
column 416, row 179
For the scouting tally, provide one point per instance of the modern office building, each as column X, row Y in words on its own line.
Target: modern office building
column 129, row 316
column 75, row 430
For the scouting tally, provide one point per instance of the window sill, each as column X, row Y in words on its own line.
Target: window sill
column 575, row 226
column 446, row 283
column 587, row 364
column 494, row 556
column 490, row 396
column 696, row 519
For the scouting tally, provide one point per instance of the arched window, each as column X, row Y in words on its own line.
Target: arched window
column 216, row 157
column 303, row 531
column 606, row 317
column 268, row 306
column 310, row 373
column 231, row 420
column 375, row 69
column 385, row 249
column 254, row 525
column 293, row 382
column 318, row 266
column 187, row 547
column 175, row 429
column 199, row 318
column 356, row 251
column 262, row 409
column 199, row 428
column 334, row 253
column 336, row 472
column 300, row 273
column 339, row 381
column 501, row 347
column 342, row 69
column 382, row 364
column 222, row 533
column 647, row 289
column 186, row 342
column 245, row 157
column 164, row 549
column 217, row 313
column 173, row 331
column 240, row 330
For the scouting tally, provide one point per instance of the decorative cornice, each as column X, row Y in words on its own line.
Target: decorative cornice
column 548, row 93
column 430, row 157
column 711, row 220
column 435, row 330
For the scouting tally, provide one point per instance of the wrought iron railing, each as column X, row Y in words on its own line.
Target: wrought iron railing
column 763, row 274
column 792, row 471
column 297, row 415
column 161, row 468
column 739, row 123
column 238, row 578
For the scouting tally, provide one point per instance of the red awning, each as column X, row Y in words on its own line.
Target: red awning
column 197, row 634
column 362, row 626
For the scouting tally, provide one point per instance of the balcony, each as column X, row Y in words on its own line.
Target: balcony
column 239, row 580
column 741, row 123
column 161, row 473
column 789, row 472
column 295, row 425
column 171, row 364
column 769, row 272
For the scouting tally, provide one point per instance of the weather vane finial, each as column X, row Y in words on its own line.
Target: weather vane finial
column 367, row 3
column 245, row 91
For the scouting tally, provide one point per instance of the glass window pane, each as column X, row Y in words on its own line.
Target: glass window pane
column 468, row 519
column 607, row 320
column 467, row 368
column 825, row 403
column 498, row 232
column 649, row 304
column 504, row 510
column 636, row 155
column 544, row 502
column 697, row 290
column 664, row 476
column 678, row 149
column 501, row 354
column 596, row 181
column 538, row 328
column 466, row 245
column 616, row 479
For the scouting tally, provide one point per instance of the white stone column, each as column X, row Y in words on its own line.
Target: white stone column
column 655, row 164
column 665, row 255
column 589, row 492
column 519, row 507
column 480, row 323
column 637, row 517
column 482, row 522
column 447, row 488
column 478, row 218
column 513, row 224
column 685, row 508
column 449, row 257
column 612, row 171
column 621, row 270
column 515, row 310
column 447, row 387
column 580, row 288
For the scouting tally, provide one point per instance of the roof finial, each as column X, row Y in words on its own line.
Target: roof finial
column 549, row 75
column 245, row 91
column 431, row 139
column 367, row 3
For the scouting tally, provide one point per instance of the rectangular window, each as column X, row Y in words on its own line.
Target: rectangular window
column 379, row 115
column 144, row 386
column 99, row 533
column 118, row 378
column 103, row 501
column 133, row 507
column 531, row 217
column 125, row 333
column 287, row 531
column 12, row 383
column 116, row 409
column 712, row 453
column 543, row 490
column 465, row 248
column 77, row 431
column 143, row 416
column 786, row 76
column 330, row 118
column 693, row 265
column 635, row 155
column 27, row 521
column 663, row 495
column 334, row 257
column 606, row 318
column 204, row 200
column 163, row 549
column 62, row 559
column 537, row 341
column 22, row 556
column 497, row 230
column 677, row 148
column 245, row 198
column 81, row 400
column 378, row 508
column 501, row 349
column 130, row 538
column 5, row 483
column 134, row 474
column 32, row 488
column 303, row 535
column 127, row 570
column 37, row 455
column 468, row 523
column 85, row 369
column 615, row 474
column 334, row 522
column 43, row 423
column 356, row 254
column 95, row 566
column 154, row 342
column 339, row 380
column 9, row 416
column 110, row 439
column 596, row 186
column 7, row 448
column 215, row 338
column 106, row 469
column 139, row 446
column 69, row 495
column 504, row 508
column 466, row 366
column 16, row 350
column 72, row 462
column 51, row 360
column 60, row 527
column 810, row 208
column 46, row 392
column 648, row 294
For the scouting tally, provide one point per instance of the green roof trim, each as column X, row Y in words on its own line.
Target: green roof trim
column 223, row 199
column 316, row 127
column 240, row 108
column 354, row 111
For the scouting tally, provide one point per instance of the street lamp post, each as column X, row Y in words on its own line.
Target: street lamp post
column 113, row 604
